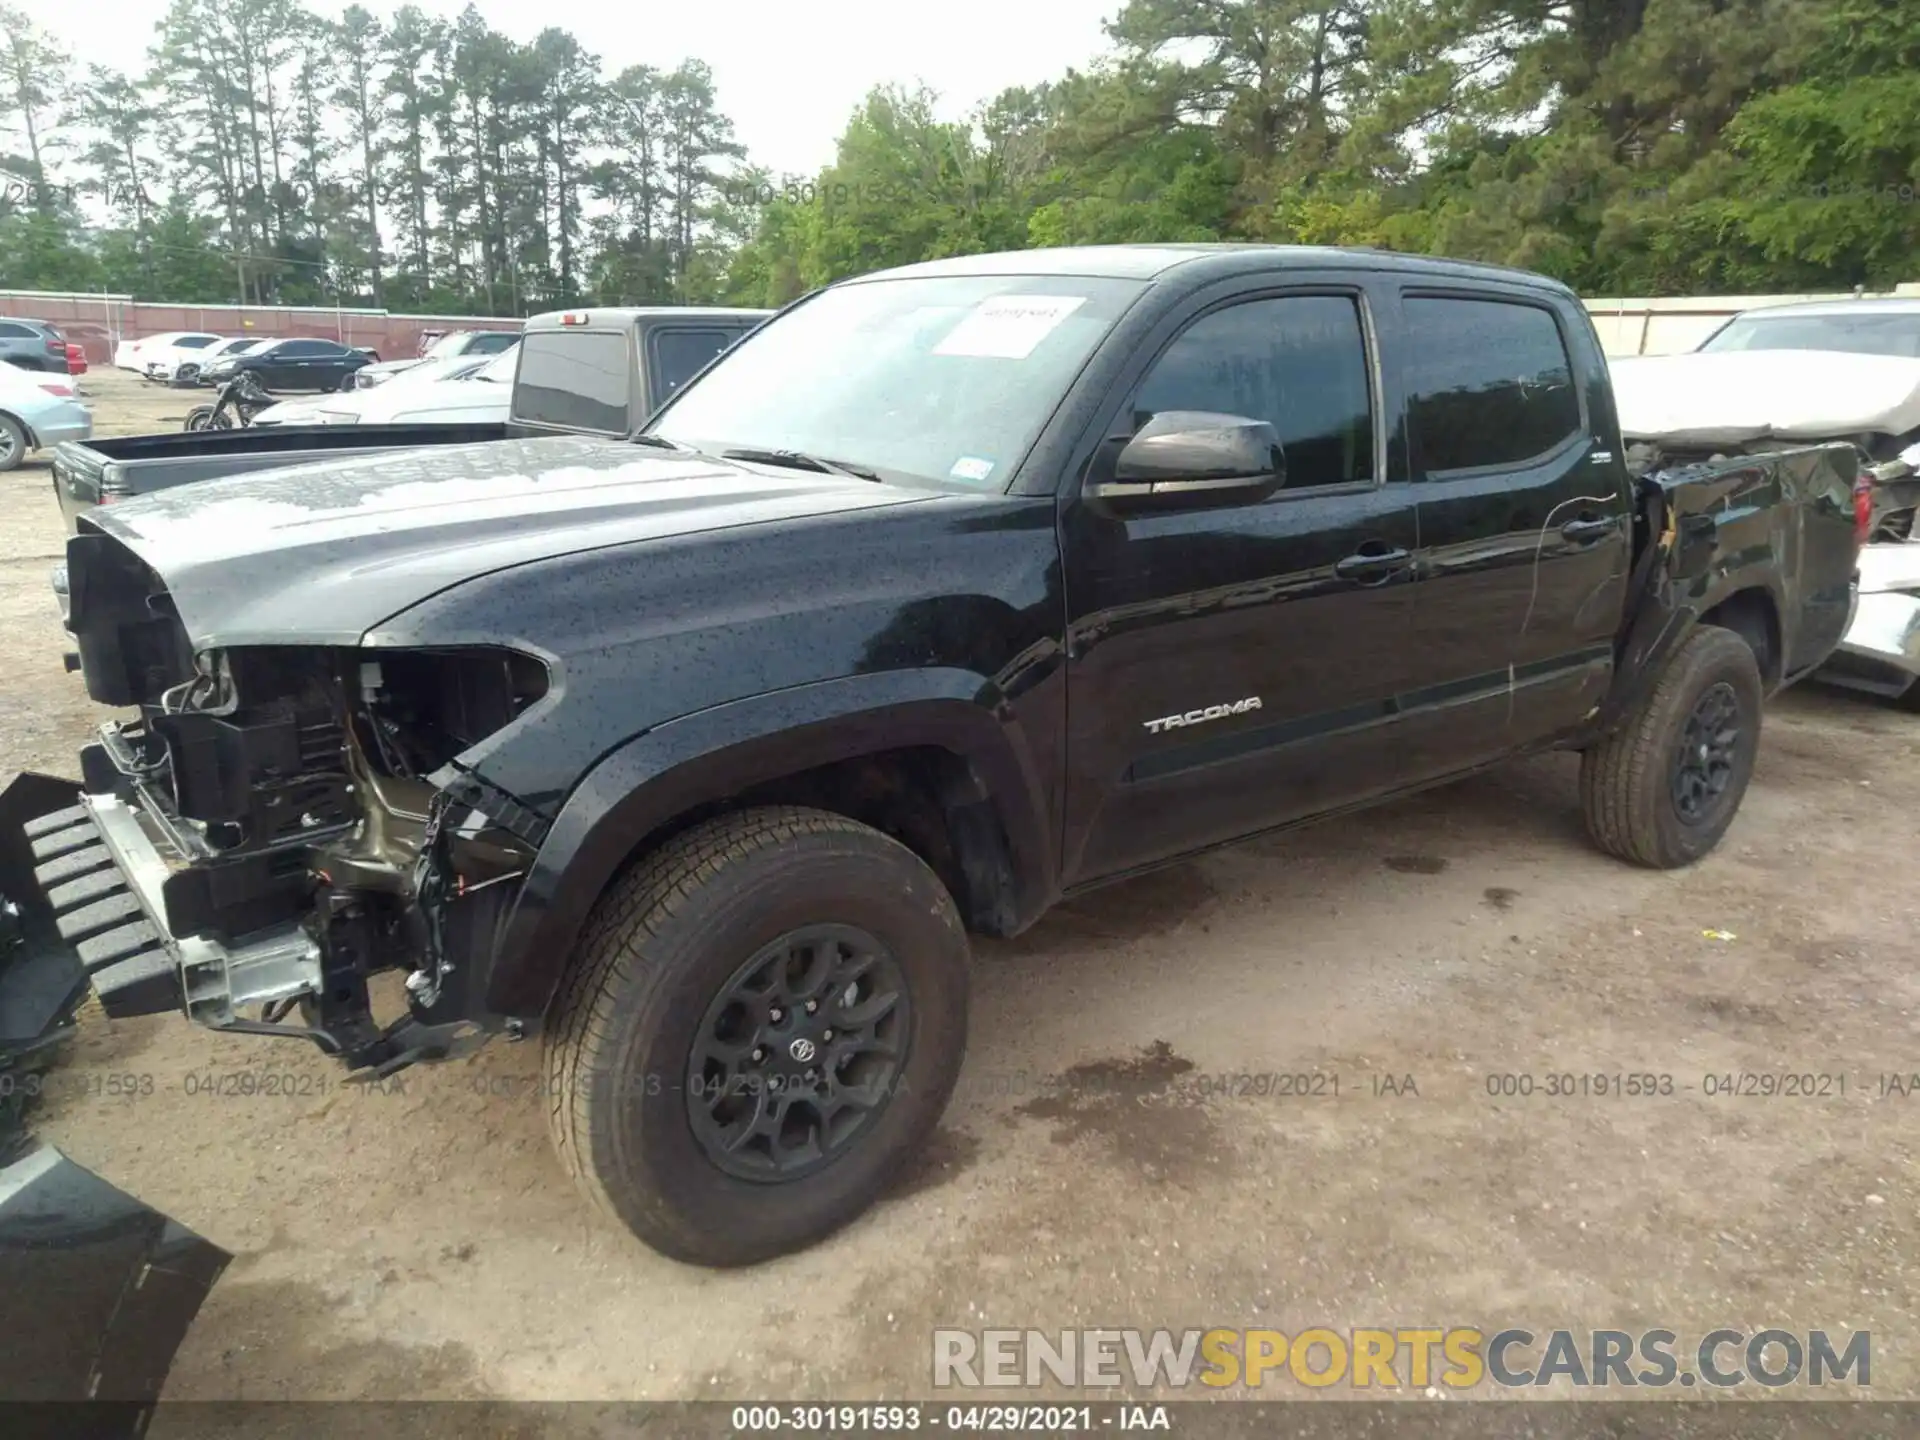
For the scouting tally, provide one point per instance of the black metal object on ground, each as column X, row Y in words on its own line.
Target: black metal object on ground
column 96, row 1292
column 42, row 982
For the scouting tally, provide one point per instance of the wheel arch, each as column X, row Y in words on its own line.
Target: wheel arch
column 26, row 429
column 1753, row 613
column 932, row 757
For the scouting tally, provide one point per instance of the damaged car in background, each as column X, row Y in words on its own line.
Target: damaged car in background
column 697, row 750
column 1771, row 379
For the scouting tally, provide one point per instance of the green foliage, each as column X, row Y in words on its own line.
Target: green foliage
column 1632, row 147
column 1627, row 146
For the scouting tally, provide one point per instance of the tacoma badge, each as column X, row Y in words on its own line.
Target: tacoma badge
column 1196, row 717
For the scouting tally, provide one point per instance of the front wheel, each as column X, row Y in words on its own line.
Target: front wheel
column 200, row 417
column 761, row 1026
column 1663, row 788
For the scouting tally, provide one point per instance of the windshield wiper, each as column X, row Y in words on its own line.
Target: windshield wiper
column 800, row 460
column 660, row 442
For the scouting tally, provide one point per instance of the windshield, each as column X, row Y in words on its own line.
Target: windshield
column 1864, row 334
column 448, row 344
column 499, row 370
column 938, row 379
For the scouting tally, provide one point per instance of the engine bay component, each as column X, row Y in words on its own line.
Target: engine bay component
column 281, row 824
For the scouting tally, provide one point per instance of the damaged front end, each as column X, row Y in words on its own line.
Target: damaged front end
column 282, row 823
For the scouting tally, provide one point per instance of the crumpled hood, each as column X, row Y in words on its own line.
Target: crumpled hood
column 319, row 554
column 1727, row 398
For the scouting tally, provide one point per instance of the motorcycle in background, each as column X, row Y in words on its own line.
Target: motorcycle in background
column 241, row 398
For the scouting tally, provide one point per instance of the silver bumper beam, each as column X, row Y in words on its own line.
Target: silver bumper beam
column 102, row 871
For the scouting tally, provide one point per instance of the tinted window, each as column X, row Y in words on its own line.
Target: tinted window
column 16, row 332
column 195, row 342
column 299, row 349
column 679, row 355
column 1489, row 383
column 1298, row 362
column 573, row 379
column 491, row 344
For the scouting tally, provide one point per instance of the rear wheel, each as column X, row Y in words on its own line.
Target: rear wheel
column 13, row 443
column 1663, row 788
column 762, row 1024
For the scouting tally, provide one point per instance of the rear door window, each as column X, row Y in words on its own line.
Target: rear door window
column 1489, row 383
column 574, row 379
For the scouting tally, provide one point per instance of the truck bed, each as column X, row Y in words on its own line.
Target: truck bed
column 88, row 473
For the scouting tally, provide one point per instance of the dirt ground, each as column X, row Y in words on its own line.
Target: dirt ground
column 1091, row 1172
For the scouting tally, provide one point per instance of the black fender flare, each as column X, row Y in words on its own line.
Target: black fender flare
column 644, row 784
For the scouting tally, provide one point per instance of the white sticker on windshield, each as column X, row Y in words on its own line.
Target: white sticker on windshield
column 971, row 468
column 1009, row 327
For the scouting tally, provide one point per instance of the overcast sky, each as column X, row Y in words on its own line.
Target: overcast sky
column 788, row 73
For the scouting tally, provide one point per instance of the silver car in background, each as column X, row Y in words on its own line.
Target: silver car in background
column 38, row 411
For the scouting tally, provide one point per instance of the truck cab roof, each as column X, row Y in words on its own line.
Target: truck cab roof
column 1201, row 262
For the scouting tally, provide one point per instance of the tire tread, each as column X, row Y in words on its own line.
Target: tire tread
column 612, row 956
column 1622, row 777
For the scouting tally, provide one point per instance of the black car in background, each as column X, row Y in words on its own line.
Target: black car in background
column 295, row 364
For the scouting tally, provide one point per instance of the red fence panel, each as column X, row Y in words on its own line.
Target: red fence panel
column 97, row 323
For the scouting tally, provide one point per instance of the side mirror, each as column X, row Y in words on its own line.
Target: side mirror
column 1181, row 458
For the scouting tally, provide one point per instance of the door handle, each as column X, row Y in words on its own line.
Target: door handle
column 1372, row 566
column 1585, row 531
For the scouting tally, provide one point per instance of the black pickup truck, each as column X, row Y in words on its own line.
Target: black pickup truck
column 951, row 591
column 593, row 372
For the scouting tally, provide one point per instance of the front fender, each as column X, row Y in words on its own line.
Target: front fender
column 643, row 785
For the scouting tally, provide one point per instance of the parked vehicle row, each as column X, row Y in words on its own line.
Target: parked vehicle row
column 594, row 372
column 694, row 740
column 193, row 357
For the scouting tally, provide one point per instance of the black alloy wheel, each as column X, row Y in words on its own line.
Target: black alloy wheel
column 799, row 1053
column 1704, row 761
